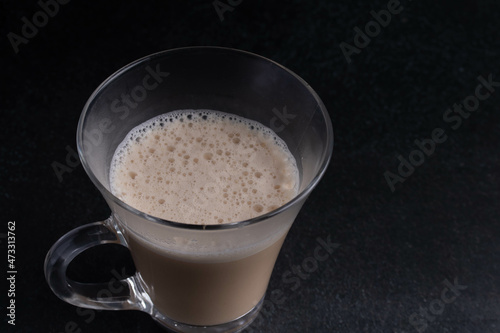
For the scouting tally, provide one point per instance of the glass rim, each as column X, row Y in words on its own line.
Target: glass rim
column 325, row 158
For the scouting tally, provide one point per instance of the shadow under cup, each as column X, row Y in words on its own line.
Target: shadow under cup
column 191, row 277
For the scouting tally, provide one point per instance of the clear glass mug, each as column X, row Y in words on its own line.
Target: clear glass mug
column 192, row 278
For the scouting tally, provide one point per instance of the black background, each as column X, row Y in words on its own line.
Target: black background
column 395, row 248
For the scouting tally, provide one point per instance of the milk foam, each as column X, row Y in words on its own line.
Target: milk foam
column 203, row 167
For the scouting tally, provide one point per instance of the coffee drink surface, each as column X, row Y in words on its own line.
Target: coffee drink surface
column 217, row 167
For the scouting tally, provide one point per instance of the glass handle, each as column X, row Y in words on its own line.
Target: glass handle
column 128, row 296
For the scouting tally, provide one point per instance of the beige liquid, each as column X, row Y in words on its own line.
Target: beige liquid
column 204, row 293
column 203, row 167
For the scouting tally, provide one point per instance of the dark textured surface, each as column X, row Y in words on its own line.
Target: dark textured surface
column 395, row 248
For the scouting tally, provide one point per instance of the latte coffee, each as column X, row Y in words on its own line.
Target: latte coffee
column 203, row 167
